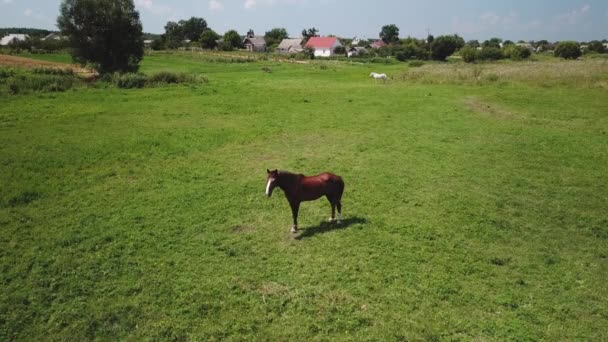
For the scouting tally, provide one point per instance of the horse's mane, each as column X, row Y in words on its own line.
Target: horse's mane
column 289, row 175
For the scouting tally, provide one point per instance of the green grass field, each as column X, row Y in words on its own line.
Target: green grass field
column 473, row 210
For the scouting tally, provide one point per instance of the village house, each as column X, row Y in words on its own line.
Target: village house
column 323, row 46
column 356, row 51
column 53, row 36
column 13, row 38
column 255, row 44
column 290, row 45
column 377, row 44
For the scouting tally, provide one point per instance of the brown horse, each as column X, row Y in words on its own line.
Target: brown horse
column 299, row 188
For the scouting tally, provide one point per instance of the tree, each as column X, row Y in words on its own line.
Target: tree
column 158, row 44
column 232, row 40
column 473, row 43
column 311, row 32
column 444, row 46
column 209, row 39
column 568, row 50
column 493, row 42
column 490, row 53
column 275, row 36
column 597, row 46
column 468, row 53
column 192, row 28
column 507, row 43
column 516, row 52
column 429, row 39
column 389, row 33
column 174, row 35
column 340, row 50
column 93, row 28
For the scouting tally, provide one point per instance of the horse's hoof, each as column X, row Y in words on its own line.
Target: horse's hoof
column 294, row 230
column 331, row 219
column 339, row 221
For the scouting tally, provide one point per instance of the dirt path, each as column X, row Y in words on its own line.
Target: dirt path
column 23, row 62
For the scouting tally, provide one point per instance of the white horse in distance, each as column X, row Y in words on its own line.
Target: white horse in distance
column 378, row 76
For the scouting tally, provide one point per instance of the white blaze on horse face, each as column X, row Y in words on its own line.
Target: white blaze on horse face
column 270, row 181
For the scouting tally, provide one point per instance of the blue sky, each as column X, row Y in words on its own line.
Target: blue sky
column 473, row 19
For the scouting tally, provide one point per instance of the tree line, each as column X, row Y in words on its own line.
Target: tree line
column 92, row 41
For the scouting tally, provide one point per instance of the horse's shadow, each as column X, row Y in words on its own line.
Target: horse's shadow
column 325, row 226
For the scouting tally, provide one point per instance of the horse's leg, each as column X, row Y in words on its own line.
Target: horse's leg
column 333, row 209
column 295, row 207
column 339, row 205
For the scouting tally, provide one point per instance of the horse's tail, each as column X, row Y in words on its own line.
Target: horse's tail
column 339, row 186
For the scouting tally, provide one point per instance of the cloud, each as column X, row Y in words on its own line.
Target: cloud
column 28, row 12
column 572, row 17
column 215, row 5
column 151, row 7
column 490, row 23
column 250, row 4
column 7, row 1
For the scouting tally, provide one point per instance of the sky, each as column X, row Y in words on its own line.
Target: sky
column 553, row 20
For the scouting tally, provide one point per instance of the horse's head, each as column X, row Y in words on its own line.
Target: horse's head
column 371, row 74
column 271, row 181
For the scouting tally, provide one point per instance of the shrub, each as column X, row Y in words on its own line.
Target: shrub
column 490, row 53
column 129, row 80
column 468, row 54
column 444, row 46
column 410, row 51
column 340, row 50
column 166, row 77
column 37, row 82
column 53, row 71
column 516, row 52
column 416, row 64
column 597, row 46
column 568, row 50
column 6, row 73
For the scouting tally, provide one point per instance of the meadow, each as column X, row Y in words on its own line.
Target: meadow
column 474, row 209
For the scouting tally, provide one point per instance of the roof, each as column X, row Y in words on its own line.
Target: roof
column 357, row 48
column 378, row 43
column 13, row 36
column 256, row 41
column 321, row 42
column 290, row 42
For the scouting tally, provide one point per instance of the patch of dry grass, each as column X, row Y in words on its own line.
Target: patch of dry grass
column 592, row 73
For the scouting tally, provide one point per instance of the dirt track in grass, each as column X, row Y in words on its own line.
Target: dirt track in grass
column 23, row 62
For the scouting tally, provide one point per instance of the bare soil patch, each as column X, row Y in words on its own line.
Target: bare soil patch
column 23, row 62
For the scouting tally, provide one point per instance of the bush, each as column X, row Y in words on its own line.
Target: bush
column 168, row 77
column 568, row 50
column 36, row 82
column 515, row 52
column 340, row 50
column 6, row 73
column 596, row 46
column 416, row 64
column 129, row 80
column 410, row 51
column 468, row 54
column 53, row 71
column 382, row 60
column 444, row 46
column 490, row 53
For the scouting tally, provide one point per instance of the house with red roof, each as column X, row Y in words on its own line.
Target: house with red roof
column 377, row 44
column 323, row 46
